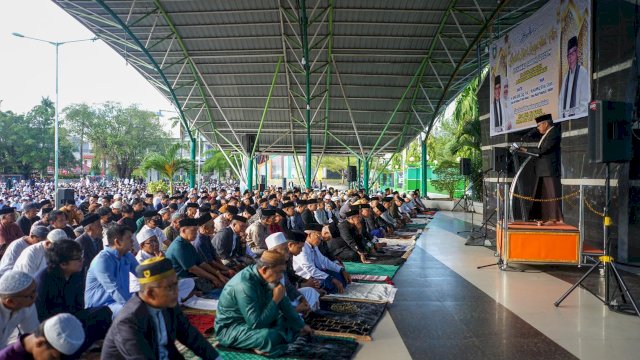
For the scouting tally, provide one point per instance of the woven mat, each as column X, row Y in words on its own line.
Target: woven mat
column 315, row 347
column 368, row 293
column 346, row 319
column 371, row 269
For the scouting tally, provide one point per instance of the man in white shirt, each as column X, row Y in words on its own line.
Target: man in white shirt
column 37, row 234
column 32, row 259
column 574, row 93
column 311, row 264
column 17, row 309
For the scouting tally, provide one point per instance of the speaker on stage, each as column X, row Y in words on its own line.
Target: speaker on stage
column 352, row 174
column 610, row 131
column 500, row 159
column 465, row 166
column 62, row 195
column 247, row 142
column 261, row 187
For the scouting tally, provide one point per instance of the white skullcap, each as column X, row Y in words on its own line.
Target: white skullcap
column 64, row 333
column 144, row 234
column 327, row 197
column 335, row 198
column 14, row 281
column 56, row 235
column 275, row 239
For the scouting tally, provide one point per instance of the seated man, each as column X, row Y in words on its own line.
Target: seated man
column 32, row 259
column 253, row 311
column 259, row 230
column 57, row 336
column 188, row 263
column 150, row 322
column 350, row 245
column 90, row 240
column 107, row 280
column 17, row 295
column 37, row 234
column 304, row 298
column 206, row 250
column 311, row 264
column 61, row 290
column 229, row 244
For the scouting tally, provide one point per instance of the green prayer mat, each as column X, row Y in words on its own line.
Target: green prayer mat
column 371, row 269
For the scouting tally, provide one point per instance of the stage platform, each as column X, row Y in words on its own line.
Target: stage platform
column 533, row 244
column 445, row 308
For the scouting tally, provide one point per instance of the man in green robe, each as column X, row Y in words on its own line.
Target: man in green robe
column 254, row 312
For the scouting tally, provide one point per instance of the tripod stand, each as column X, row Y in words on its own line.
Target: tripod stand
column 505, row 217
column 608, row 263
column 471, row 239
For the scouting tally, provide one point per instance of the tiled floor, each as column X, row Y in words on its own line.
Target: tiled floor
column 447, row 309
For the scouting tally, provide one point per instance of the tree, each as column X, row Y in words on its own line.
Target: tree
column 123, row 136
column 216, row 162
column 449, row 177
column 167, row 164
column 27, row 141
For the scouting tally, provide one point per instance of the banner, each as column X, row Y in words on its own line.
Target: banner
column 542, row 66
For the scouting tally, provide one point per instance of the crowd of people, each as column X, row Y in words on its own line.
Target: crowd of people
column 109, row 269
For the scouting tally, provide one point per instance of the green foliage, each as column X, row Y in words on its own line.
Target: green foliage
column 121, row 135
column 27, row 141
column 155, row 186
column 216, row 162
column 167, row 164
column 448, row 174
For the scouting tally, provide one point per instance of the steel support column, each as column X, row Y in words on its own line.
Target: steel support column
column 307, row 71
column 365, row 179
column 423, row 163
column 192, row 167
column 250, row 174
column 358, row 174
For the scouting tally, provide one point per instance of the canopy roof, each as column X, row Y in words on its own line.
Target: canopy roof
column 379, row 71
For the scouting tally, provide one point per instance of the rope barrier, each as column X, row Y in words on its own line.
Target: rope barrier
column 565, row 197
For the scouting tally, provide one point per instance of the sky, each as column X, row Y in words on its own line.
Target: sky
column 90, row 72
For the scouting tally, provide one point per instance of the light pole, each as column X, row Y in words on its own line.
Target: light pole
column 56, row 149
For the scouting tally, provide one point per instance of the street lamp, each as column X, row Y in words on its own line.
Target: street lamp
column 56, row 149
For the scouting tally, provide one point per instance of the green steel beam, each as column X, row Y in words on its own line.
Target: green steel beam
column 365, row 176
column 359, row 156
column 250, row 174
column 266, row 107
column 139, row 44
column 327, row 99
column 192, row 165
column 423, row 163
column 306, row 63
column 471, row 47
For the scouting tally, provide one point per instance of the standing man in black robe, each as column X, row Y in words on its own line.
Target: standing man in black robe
column 547, row 170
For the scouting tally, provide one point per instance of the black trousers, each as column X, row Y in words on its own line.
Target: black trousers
column 547, row 187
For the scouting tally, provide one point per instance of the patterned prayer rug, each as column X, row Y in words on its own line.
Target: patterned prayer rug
column 346, row 319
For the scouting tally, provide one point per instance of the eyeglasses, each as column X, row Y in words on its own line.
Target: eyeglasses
column 171, row 287
column 150, row 242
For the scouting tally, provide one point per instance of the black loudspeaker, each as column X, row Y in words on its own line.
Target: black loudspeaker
column 500, row 159
column 261, row 187
column 247, row 142
column 610, row 131
column 352, row 174
column 62, row 195
column 465, row 166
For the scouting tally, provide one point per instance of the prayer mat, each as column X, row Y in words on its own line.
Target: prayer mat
column 346, row 319
column 370, row 269
column 203, row 320
column 371, row 293
column 305, row 347
column 199, row 303
column 417, row 221
column 388, row 257
column 371, row 279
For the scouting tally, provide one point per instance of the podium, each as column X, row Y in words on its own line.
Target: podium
column 525, row 242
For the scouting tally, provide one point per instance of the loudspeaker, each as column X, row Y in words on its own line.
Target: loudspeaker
column 261, row 187
column 352, row 174
column 247, row 142
column 610, row 131
column 62, row 195
column 465, row 166
column 500, row 159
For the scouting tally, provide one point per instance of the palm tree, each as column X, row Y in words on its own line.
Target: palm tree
column 167, row 164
